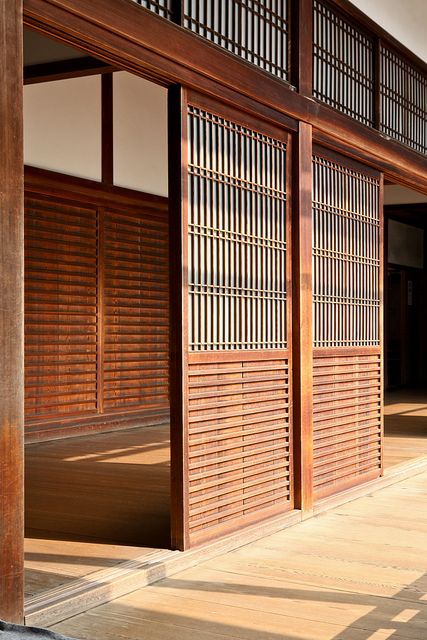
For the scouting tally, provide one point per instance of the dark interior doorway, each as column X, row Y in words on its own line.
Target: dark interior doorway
column 405, row 307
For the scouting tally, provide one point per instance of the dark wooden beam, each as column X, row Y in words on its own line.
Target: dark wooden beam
column 140, row 41
column 302, row 46
column 302, row 319
column 11, row 313
column 64, row 69
column 107, row 129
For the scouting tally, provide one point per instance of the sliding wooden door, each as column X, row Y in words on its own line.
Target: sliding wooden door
column 347, row 323
column 231, row 385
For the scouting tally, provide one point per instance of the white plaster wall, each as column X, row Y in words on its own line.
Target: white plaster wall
column 406, row 20
column 140, row 134
column 62, row 126
column 395, row 194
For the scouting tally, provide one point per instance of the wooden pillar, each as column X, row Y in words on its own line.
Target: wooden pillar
column 302, row 46
column 303, row 319
column 11, row 312
column 178, row 316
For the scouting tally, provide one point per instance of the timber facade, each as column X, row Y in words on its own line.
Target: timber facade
column 248, row 305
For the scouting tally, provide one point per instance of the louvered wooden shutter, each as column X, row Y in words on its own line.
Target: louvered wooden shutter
column 96, row 307
column 347, row 319
column 136, row 308
column 60, row 310
column 237, row 359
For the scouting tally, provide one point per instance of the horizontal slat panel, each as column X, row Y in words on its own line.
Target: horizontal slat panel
column 60, row 305
column 240, row 445
column 347, row 425
column 136, row 311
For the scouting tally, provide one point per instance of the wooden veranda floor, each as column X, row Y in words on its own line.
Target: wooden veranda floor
column 358, row 572
column 97, row 501
column 405, row 426
column 93, row 502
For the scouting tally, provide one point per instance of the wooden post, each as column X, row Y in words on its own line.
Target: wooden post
column 303, row 320
column 178, row 316
column 11, row 313
column 107, row 128
column 302, row 46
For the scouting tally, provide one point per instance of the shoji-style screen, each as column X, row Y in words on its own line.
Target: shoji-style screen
column 239, row 423
column 403, row 91
column 343, row 64
column 347, row 242
column 252, row 29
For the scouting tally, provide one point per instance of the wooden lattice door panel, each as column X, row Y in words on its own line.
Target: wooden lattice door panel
column 135, row 311
column 60, row 309
column 96, row 307
column 237, row 435
column 347, row 323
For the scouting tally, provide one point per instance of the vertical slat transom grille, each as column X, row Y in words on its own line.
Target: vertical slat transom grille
column 162, row 8
column 252, row 29
column 237, row 236
column 343, row 64
column 403, row 91
column 346, row 260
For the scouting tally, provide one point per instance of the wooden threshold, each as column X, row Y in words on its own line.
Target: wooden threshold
column 103, row 586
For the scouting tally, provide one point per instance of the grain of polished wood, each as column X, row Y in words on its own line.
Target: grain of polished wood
column 354, row 573
column 405, row 426
column 11, row 312
column 94, row 501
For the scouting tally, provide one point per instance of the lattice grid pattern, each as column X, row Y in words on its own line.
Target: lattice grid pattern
column 403, row 101
column 163, row 8
column 252, row 29
column 237, row 236
column 346, row 260
column 342, row 64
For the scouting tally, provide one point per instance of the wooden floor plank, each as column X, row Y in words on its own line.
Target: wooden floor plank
column 93, row 502
column 340, row 576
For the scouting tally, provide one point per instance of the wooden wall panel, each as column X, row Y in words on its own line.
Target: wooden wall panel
column 347, row 334
column 96, row 308
column 136, row 312
column 347, row 400
column 239, row 445
column 60, row 310
column 239, row 442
